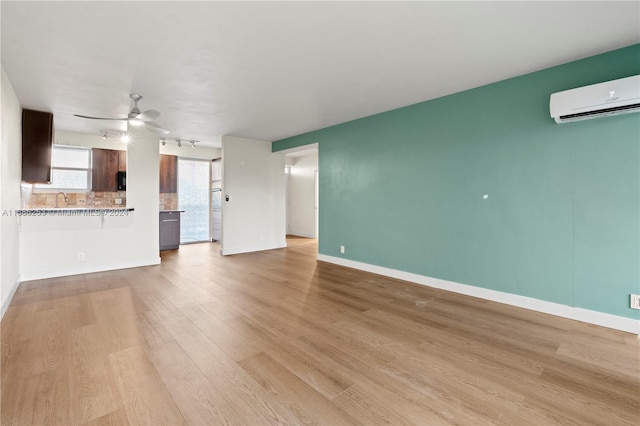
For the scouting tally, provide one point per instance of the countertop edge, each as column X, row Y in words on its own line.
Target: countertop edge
column 70, row 210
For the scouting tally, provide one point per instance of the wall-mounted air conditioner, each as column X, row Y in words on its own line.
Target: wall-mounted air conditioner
column 614, row 97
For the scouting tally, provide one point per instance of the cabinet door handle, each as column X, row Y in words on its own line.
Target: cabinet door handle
column 170, row 220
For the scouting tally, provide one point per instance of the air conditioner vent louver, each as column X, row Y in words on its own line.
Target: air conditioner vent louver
column 615, row 97
column 626, row 109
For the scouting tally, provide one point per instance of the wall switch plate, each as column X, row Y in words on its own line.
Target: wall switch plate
column 81, row 256
column 342, row 249
column 634, row 301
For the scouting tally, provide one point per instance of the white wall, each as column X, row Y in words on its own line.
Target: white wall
column 254, row 179
column 87, row 140
column 301, row 199
column 200, row 152
column 10, row 176
column 49, row 246
column 95, row 141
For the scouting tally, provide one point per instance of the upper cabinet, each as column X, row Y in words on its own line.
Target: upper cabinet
column 122, row 161
column 105, row 168
column 37, row 142
column 168, row 173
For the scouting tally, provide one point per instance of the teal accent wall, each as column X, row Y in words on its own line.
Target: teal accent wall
column 404, row 190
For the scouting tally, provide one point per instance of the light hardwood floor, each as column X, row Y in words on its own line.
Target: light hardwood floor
column 275, row 337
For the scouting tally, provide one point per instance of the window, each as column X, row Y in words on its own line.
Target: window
column 70, row 168
column 193, row 198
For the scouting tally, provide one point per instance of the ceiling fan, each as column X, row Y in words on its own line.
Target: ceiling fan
column 136, row 117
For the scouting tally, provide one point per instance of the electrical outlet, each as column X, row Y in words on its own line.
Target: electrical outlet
column 342, row 249
column 81, row 256
column 118, row 200
column 634, row 301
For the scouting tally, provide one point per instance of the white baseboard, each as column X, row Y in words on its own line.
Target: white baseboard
column 226, row 251
column 9, row 298
column 88, row 269
column 579, row 314
column 301, row 234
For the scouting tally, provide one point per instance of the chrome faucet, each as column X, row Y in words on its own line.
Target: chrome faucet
column 66, row 199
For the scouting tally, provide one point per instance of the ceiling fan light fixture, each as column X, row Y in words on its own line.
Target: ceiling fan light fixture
column 135, row 117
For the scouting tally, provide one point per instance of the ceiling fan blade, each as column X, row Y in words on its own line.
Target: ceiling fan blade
column 99, row 118
column 154, row 127
column 149, row 115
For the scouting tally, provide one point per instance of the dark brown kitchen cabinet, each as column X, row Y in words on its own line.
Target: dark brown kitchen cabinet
column 104, row 170
column 168, row 173
column 122, row 161
column 37, row 142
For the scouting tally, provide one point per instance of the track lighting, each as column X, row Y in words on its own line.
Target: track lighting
column 179, row 141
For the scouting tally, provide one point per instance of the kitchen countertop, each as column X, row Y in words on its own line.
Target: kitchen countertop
column 75, row 211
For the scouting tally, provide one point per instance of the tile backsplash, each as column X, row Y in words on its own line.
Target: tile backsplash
column 36, row 200
column 168, row 201
column 39, row 200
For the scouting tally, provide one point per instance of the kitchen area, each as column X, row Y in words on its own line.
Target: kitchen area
column 69, row 172
column 190, row 209
column 92, row 202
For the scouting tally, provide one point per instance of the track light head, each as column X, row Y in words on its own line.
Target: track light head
column 163, row 141
column 179, row 142
column 193, row 144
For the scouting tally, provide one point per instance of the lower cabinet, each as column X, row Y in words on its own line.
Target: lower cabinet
column 217, row 225
column 169, row 230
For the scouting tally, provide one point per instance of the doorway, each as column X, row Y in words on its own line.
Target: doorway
column 193, row 198
column 302, row 192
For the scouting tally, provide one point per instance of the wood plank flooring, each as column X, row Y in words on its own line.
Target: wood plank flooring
column 278, row 338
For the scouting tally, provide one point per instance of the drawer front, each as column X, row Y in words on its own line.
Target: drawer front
column 169, row 215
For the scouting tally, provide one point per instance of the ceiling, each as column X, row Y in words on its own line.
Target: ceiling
column 269, row 70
